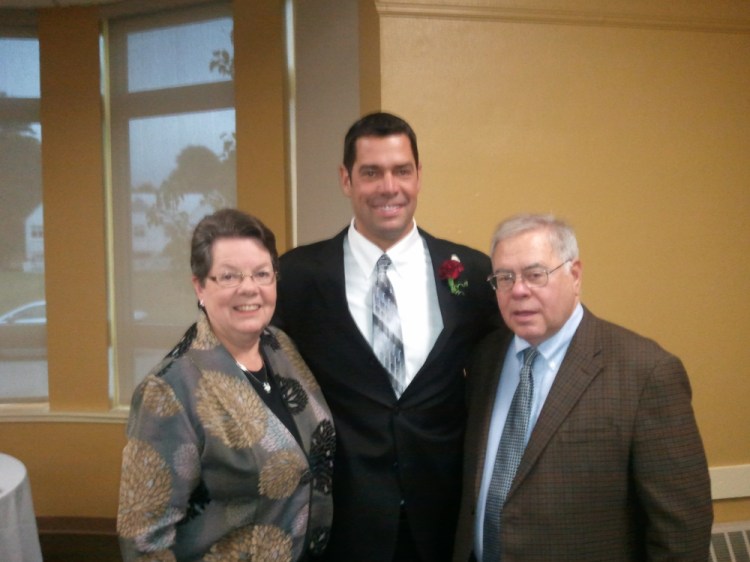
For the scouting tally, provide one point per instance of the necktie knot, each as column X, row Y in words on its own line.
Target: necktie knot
column 384, row 263
column 529, row 354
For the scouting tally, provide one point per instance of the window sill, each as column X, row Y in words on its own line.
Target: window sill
column 40, row 412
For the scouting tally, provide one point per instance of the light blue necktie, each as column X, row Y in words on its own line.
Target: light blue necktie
column 386, row 327
column 509, row 453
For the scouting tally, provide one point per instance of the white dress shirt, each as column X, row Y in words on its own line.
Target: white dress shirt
column 544, row 370
column 411, row 275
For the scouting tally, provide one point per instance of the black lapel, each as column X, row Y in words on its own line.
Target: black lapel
column 439, row 252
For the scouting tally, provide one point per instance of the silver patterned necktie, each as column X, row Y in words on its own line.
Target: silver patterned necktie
column 386, row 327
column 509, row 453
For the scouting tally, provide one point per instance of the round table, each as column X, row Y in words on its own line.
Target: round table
column 19, row 539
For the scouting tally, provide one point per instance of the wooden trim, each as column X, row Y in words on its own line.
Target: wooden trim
column 76, row 526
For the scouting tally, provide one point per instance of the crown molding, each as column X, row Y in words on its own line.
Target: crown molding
column 721, row 17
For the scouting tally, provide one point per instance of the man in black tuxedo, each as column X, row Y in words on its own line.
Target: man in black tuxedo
column 397, row 471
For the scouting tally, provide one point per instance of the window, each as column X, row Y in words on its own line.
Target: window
column 23, row 333
column 172, row 160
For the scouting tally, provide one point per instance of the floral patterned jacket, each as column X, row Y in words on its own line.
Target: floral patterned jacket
column 210, row 473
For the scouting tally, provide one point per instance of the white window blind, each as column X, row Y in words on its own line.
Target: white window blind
column 23, row 319
column 172, row 151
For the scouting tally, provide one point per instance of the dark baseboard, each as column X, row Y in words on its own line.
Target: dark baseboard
column 78, row 539
column 76, row 526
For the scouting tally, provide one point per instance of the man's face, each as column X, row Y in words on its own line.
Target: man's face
column 383, row 188
column 535, row 313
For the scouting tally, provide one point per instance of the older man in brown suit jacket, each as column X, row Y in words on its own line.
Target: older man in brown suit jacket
column 613, row 466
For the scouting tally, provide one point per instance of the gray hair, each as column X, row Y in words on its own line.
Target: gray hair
column 562, row 238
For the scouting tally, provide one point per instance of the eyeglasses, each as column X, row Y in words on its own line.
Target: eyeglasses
column 533, row 277
column 229, row 279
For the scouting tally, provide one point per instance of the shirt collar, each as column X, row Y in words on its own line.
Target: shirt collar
column 366, row 254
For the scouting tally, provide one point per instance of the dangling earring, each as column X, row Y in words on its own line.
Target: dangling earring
column 201, row 305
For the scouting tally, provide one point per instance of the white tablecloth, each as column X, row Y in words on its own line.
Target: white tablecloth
column 19, row 539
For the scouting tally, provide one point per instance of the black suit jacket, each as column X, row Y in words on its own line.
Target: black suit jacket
column 389, row 451
column 614, row 468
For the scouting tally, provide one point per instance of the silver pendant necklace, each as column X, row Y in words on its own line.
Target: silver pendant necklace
column 264, row 383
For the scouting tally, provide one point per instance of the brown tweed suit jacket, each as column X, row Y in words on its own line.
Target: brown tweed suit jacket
column 615, row 467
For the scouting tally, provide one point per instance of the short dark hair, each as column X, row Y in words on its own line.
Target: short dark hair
column 227, row 223
column 378, row 124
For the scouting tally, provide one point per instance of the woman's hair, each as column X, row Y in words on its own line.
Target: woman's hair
column 227, row 223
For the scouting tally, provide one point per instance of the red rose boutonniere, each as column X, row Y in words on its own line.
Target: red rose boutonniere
column 450, row 270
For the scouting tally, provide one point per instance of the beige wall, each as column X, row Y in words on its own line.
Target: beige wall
column 634, row 126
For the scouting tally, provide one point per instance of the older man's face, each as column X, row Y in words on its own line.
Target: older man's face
column 536, row 313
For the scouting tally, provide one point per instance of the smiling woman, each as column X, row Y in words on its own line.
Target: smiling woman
column 232, row 412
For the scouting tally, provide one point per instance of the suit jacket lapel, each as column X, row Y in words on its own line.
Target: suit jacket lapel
column 331, row 282
column 447, row 301
column 581, row 365
column 332, row 285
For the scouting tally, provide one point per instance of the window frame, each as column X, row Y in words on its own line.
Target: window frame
column 122, row 108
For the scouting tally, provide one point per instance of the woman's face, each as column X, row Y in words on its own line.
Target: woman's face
column 238, row 314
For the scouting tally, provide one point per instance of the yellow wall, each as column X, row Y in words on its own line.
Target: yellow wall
column 72, row 173
column 261, row 106
column 634, row 126
column 73, row 467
